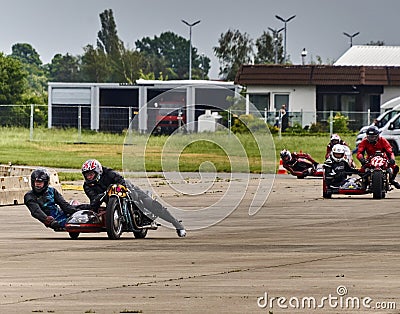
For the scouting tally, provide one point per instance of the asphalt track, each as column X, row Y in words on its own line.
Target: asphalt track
column 299, row 246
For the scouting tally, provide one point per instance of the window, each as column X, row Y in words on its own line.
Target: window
column 348, row 103
column 260, row 101
column 281, row 99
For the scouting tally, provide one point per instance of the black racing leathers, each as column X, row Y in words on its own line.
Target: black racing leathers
column 337, row 171
column 96, row 193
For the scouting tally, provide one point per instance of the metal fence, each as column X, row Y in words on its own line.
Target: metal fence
column 118, row 119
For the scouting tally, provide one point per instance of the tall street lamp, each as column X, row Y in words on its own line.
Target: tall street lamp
column 190, row 44
column 285, row 28
column 275, row 33
column 351, row 37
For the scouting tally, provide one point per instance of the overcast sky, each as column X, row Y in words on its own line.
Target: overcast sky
column 53, row 26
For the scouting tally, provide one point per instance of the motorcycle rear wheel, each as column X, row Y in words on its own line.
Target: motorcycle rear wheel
column 140, row 234
column 113, row 219
column 137, row 218
column 326, row 194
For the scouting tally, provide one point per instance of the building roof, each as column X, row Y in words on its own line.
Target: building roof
column 370, row 56
column 264, row 74
column 360, row 65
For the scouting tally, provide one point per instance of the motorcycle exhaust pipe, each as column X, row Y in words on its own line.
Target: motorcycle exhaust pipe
column 153, row 226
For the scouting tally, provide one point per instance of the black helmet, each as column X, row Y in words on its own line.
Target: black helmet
column 42, row 175
column 372, row 134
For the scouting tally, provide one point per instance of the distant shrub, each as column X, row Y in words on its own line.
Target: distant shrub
column 248, row 123
column 317, row 127
column 340, row 123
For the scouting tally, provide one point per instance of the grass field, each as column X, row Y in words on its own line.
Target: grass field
column 218, row 151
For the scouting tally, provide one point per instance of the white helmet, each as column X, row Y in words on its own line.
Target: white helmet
column 335, row 139
column 286, row 155
column 338, row 152
column 92, row 165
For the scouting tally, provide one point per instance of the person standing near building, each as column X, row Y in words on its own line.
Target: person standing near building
column 283, row 118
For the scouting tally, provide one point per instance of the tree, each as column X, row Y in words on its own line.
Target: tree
column 26, row 54
column 107, row 37
column 133, row 62
column 154, row 67
column 12, row 80
column 234, row 50
column 64, row 68
column 109, row 42
column 94, row 65
column 13, row 86
column 201, row 67
column 266, row 53
column 37, row 80
column 174, row 51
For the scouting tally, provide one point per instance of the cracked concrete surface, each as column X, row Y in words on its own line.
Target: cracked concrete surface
column 298, row 245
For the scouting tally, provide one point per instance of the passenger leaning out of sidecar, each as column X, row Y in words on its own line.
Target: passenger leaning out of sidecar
column 373, row 143
column 336, row 167
column 45, row 203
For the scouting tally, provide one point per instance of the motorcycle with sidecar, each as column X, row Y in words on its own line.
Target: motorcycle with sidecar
column 373, row 178
column 122, row 214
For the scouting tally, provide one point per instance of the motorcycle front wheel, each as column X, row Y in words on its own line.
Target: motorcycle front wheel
column 378, row 190
column 113, row 219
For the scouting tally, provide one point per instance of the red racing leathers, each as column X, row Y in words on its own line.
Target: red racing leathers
column 370, row 149
column 297, row 168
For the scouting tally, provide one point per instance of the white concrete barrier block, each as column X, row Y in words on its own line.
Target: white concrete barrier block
column 15, row 181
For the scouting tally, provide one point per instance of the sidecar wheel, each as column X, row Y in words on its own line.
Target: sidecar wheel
column 140, row 234
column 113, row 219
column 74, row 235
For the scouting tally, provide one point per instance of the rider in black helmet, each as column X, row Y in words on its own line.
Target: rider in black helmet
column 45, row 203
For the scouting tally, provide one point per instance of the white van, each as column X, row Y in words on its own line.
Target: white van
column 391, row 131
column 382, row 120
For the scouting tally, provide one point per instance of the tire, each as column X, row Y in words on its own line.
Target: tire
column 113, row 219
column 326, row 195
column 140, row 234
column 325, row 192
column 378, row 191
column 74, row 235
column 137, row 216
